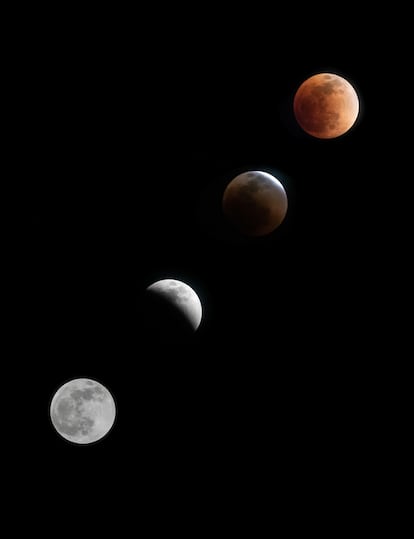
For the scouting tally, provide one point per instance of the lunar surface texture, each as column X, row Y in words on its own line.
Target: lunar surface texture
column 326, row 105
column 82, row 411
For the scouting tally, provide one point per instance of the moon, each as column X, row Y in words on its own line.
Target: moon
column 326, row 105
column 82, row 411
column 175, row 305
column 255, row 202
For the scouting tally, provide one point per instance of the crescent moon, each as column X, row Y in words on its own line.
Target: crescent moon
column 181, row 296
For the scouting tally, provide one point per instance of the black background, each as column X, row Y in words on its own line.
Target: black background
column 128, row 142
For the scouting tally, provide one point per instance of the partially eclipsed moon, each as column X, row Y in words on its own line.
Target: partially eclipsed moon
column 177, row 303
column 326, row 105
column 82, row 411
column 255, row 202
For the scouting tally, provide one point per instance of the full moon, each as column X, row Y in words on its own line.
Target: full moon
column 326, row 105
column 174, row 305
column 82, row 411
column 255, row 202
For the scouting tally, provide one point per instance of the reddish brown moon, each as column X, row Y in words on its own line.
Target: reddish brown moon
column 326, row 105
column 255, row 202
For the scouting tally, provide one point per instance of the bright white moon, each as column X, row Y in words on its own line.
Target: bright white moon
column 82, row 411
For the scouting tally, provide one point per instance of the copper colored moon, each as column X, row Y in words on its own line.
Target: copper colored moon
column 326, row 105
column 255, row 202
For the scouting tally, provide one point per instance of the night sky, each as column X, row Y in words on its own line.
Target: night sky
column 129, row 145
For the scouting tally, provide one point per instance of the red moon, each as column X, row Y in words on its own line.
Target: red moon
column 326, row 105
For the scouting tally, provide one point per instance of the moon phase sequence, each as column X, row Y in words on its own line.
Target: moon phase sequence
column 255, row 202
column 82, row 411
column 326, row 105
